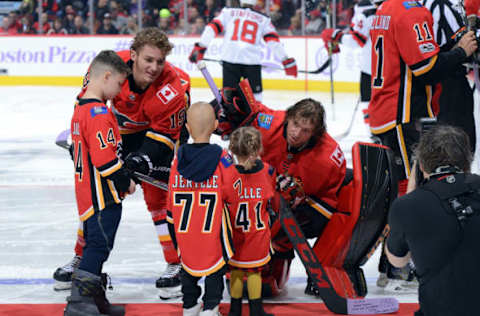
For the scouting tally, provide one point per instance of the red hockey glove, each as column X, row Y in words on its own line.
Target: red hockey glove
column 290, row 66
column 290, row 188
column 197, row 53
column 332, row 37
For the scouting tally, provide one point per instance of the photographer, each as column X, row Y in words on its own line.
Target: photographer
column 438, row 225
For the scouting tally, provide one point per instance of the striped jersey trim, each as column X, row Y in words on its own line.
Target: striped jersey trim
column 86, row 215
column 249, row 264
column 425, row 68
column 319, row 208
column 199, row 273
column 110, row 167
column 161, row 138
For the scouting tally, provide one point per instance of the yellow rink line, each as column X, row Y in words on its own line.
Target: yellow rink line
column 268, row 84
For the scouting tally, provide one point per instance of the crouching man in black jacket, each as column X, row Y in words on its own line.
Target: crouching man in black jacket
column 438, row 225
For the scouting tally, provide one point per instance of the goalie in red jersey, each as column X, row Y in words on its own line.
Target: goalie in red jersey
column 310, row 165
column 150, row 110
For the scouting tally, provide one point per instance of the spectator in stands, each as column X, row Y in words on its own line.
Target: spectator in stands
column 79, row 27
column 198, row 26
column 45, row 24
column 50, row 6
column 164, row 22
column 27, row 7
column 316, row 23
column 101, row 9
column 119, row 18
column 295, row 28
column 8, row 27
column 69, row 20
column 26, row 25
column 107, row 27
column 193, row 14
column 210, row 10
column 57, row 28
column 131, row 28
column 14, row 19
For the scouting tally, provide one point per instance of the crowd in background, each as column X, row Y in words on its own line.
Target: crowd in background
column 62, row 17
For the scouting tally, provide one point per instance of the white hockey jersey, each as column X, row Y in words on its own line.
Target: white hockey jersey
column 359, row 34
column 245, row 33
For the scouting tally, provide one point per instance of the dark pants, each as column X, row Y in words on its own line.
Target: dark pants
column 232, row 73
column 99, row 233
column 456, row 105
column 192, row 291
column 401, row 140
column 365, row 87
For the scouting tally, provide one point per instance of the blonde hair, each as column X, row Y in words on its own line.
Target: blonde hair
column 152, row 36
column 246, row 143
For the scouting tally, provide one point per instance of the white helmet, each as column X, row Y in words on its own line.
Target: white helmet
column 248, row 2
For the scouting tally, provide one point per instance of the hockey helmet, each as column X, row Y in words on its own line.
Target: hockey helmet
column 248, row 2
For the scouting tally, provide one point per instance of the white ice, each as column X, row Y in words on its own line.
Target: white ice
column 38, row 216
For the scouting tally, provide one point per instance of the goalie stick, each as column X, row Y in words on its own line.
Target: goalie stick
column 62, row 141
column 320, row 69
column 334, row 302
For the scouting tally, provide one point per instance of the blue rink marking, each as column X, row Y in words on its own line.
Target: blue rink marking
column 291, row 280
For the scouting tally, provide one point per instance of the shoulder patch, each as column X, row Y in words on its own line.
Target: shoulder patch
column 226, row 160
column 426, row 48
column 96, row 110
column 167, row 93
column 264, row 120
column 411, row 4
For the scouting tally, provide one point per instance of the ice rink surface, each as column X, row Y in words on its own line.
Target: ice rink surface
column 38, row 216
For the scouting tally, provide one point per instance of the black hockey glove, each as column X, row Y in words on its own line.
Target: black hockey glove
column 239, row 104
column 138, row 162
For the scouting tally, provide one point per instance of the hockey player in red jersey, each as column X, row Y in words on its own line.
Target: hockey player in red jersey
column 150, row 110
column 101, row 182
column 252, row 186
column 197, row 215
column 310, row 164
column 405, row 63
column 244, row 32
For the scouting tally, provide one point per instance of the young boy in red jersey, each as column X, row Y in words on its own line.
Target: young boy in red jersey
column 101, row 182
column 196, row 212
column 247, row 200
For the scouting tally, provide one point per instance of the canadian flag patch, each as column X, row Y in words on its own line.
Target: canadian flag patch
column 167, row 93
column 337, row 156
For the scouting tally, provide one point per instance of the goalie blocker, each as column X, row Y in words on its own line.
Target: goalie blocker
column 354, row 230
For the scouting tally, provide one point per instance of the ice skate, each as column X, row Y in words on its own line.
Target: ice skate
column 63, row 275
column 168, row 284
column 192, row 311
column 210, row 312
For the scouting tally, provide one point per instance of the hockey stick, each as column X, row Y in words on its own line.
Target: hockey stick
column 203, row 69
column 320, row 69
column 62, row 141
column 334, row 302
column 350, row 125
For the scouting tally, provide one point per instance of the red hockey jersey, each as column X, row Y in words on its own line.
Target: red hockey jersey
column 403, row 47
column 95, row 139
column 201, row 223
column 247, row 194
column 321, row 167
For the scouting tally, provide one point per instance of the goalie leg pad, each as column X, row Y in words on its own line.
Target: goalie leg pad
column 353, row 233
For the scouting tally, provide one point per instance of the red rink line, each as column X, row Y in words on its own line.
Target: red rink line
column 147, row 309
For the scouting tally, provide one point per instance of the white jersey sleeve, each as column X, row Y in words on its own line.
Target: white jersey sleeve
column 245, row 33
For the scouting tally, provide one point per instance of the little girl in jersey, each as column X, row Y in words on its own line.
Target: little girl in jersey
column 250, row 187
